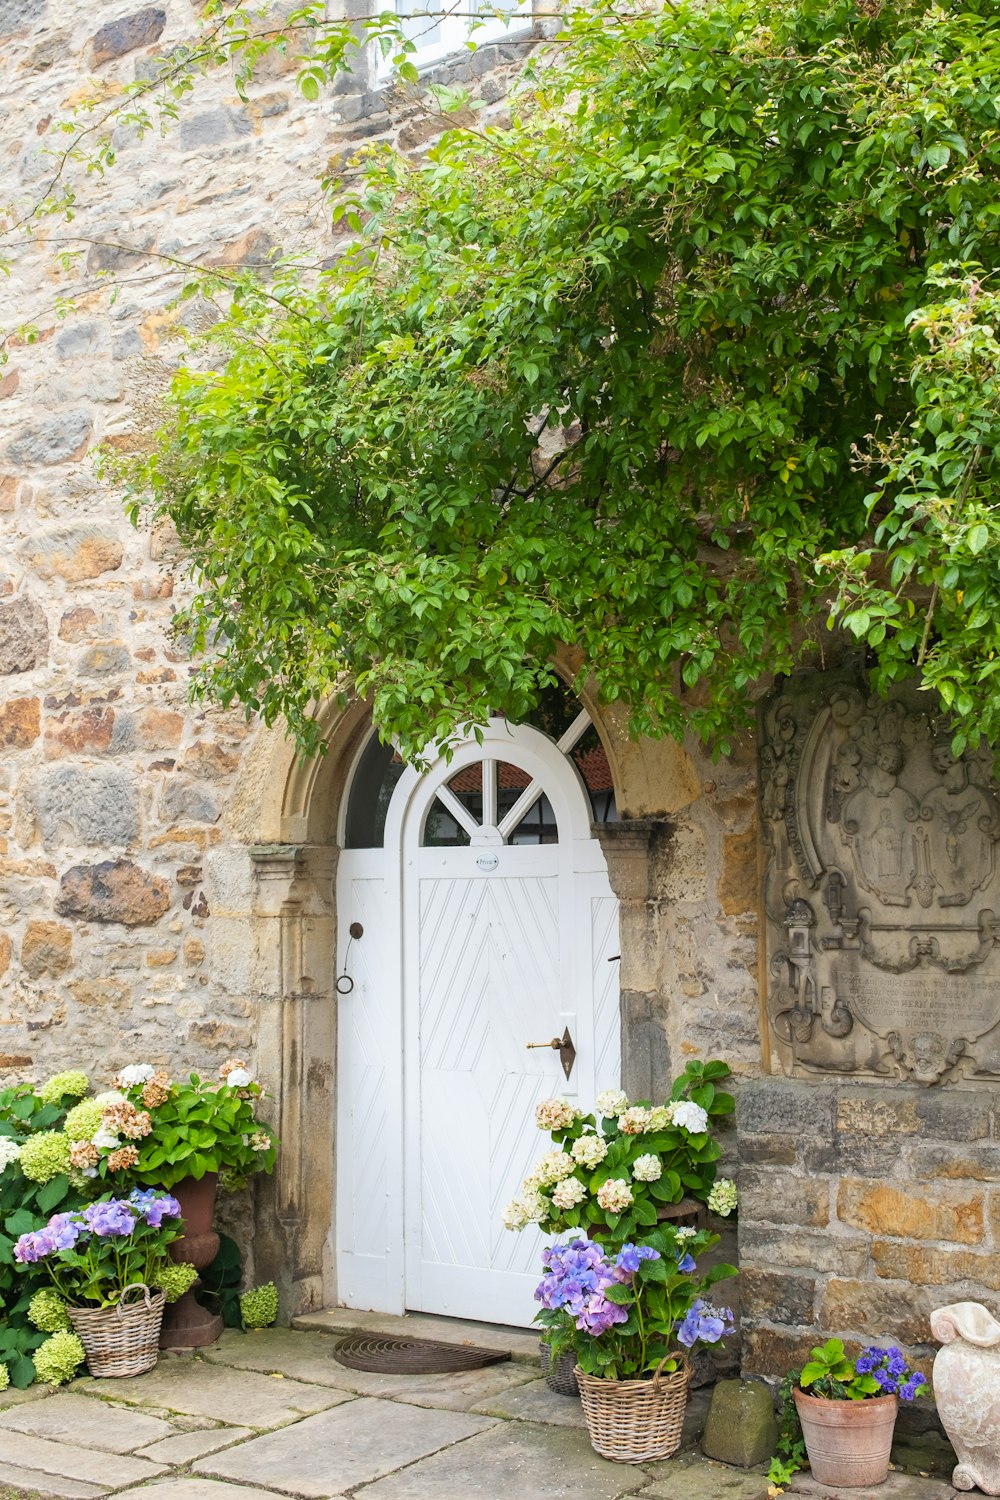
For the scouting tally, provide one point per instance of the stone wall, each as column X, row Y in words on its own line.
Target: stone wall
column 862, row 1207
column 116, row 864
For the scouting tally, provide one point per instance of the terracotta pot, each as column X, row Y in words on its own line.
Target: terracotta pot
column 967, row 1391
column 186, row 1324
column 848, row 1442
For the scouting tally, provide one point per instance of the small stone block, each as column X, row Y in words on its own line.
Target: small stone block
column 185, row 1447
column 741, row 1427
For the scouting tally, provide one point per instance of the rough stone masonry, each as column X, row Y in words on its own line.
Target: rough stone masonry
column 127, row 887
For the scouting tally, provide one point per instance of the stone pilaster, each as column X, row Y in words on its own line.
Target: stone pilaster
column 295, row 937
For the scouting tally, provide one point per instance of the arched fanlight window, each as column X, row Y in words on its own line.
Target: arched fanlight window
column 489, row 793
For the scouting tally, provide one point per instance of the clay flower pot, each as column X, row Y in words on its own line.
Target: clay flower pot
column 967, row 1391
column 848, row 1442
column 186, row 1324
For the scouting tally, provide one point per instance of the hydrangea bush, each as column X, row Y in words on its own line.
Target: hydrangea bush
column 624, row 1312
column 157, row 1131
column 613, row 1171
column 35, row 1181
column 93, row 1254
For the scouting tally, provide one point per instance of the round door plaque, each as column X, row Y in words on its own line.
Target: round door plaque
column 487, row 861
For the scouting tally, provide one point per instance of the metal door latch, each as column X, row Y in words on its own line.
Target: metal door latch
column 564, row 1046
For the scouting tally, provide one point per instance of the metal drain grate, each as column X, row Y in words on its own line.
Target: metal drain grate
column 389, row 1355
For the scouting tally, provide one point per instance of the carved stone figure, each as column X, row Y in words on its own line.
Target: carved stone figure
column 881, row 887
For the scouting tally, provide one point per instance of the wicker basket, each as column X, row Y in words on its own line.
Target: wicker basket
column 560, row 1374
column 122, row 1340
column 636, row 1421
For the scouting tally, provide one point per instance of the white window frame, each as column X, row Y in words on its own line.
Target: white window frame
column 456, row 30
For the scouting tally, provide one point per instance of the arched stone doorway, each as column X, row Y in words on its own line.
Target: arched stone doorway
column 483, row 921
column 284, row 823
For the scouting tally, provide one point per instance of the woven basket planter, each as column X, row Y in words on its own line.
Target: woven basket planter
column 560, row 1374
column 122, row 1340
column 635, row 1421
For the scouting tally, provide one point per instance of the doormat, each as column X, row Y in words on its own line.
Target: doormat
column 386, row 1354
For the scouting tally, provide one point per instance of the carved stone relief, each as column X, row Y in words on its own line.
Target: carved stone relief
column 881, row 889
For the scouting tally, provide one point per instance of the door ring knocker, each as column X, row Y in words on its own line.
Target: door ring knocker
column 344, row 983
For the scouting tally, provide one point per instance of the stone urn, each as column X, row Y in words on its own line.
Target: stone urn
column 186, row 1324
column 966, row 1382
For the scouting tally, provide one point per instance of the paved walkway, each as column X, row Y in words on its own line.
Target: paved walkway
column 266, row 1416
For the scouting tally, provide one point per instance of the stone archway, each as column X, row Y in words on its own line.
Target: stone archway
column 284, row 815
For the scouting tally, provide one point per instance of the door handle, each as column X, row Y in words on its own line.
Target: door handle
column 563, row 1045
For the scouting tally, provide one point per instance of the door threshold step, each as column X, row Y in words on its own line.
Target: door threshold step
column 522, row 1344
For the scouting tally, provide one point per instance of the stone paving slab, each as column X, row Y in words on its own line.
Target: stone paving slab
column 309, row 1357
column 67, row 1460
column 534, row 1403
column 515, row 1461
column 13, row 1397
column 896, row 1487
column 183, row 1487
column 522, row 1342
column 335, row 1451
column 52, row 1486
column 184, row 1447
column 202, row 1389
column 690, row 1476
column 87, row 1422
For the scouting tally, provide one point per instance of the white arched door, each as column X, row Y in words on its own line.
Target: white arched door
column 488, row 925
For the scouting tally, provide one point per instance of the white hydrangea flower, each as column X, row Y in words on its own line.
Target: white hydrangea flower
column 9, row 1151
column 647, row 1168
column 110, row 1096
column 553, row 1167
column 555, row 1114
column 689, row 1116
column 589, row 1150
column 634, row 1121
column 536, row 1207
column 660, row 1117
column 611, row 1102
column 136, row 1073
column 686, row 1232
column 615, row 1195
column 723, row 1197
column 568, row 1193
column 106, row 1140
column 239, row 1078
column 514, row 1216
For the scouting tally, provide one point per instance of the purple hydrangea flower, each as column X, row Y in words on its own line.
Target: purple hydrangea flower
column 112, row 1218
column 629, row 1256
column 686, row 1263
column 704, row 1323
column 154, row 1207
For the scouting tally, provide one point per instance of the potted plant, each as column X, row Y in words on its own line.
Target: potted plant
column 631, row 1316
column 188, row 1136
column 617, row 1172
column 96, row 1257
column 847, row 1408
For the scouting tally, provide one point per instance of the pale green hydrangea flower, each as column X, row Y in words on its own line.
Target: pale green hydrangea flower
column 71, row 1085
column 174, row 1280
column 722, row 1198
column 4, row 1377
column 259, row 1306
column 58, row 1359
column 83, row 1121
column 47, row 1310
column 45, row 1155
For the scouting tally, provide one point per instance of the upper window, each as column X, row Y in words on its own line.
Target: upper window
column 442, row 28
column 489, row 794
